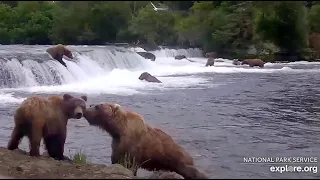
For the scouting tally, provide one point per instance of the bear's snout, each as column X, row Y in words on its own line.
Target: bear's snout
column 79, row 115
column 96, row 106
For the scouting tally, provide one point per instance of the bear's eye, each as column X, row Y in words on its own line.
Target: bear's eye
column 110, row 110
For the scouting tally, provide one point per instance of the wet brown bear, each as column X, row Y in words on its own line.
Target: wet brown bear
column 58, row 52
column 150, row 147
column 147, row 55
column 236, row 62
column 211, row 55
column 253, row 62
column 39, row 118
column 148, row 77
column 210, row 62
column 179, row 57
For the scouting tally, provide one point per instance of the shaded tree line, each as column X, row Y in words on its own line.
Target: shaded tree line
column 211, row 25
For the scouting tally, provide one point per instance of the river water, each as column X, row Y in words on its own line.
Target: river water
column 220, row 115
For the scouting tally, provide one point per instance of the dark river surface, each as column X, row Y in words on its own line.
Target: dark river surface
column 250, row 115
column 232, row 117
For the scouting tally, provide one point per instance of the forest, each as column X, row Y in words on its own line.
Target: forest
column 221, row 26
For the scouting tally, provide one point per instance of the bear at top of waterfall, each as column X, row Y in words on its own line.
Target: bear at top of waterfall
column 38, row 117
column 150, row 148
column 58, row 51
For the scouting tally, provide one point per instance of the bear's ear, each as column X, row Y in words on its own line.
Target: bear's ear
column 116, row 107
column 66, row 97
column 84, row 97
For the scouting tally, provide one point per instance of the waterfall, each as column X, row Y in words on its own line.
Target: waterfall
column 26, row 66
column 191, row 52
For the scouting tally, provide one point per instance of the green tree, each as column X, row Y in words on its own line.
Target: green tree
column 6, row 23
column 194, row 29
column 314, row 19
column 217, row 26
column 152, row 26
column 32, row 21
column 10, row 3
column 212, row 25
column 108, row 18
column 70, row 25
column 283, row 23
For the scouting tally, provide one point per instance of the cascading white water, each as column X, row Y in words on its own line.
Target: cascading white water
column 109, row 69
column 191, row 52
column 26, row 67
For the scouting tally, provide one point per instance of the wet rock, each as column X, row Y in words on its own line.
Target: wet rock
column 21, row 151
column 117, row 169
column 5, row 177
column 164, row 175
column 14, row 164
column 19, row 168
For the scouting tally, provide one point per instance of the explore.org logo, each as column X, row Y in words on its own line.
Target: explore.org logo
column 266, row 160
column 286, row 164
column 289, row 168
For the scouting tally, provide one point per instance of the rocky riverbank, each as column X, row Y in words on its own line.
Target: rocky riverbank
column 16, row 164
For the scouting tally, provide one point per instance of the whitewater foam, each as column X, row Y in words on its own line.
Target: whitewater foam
column 119, row 82
column 90, row 73
column 137, row 49
column 168, row 70
column 6, row 98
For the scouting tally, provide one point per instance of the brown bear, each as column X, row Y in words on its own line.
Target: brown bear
column 253, row 62
column 211, row 55
column 236, row 62
column 179, row 57
column 38, row 118
column 147, row 55
column 210, row 62
column 150, row 148
column 58, row 51
column 148, row 77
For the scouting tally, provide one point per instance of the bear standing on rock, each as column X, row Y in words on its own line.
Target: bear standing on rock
column 149, row 147
column 38, row 117
column 58, row 52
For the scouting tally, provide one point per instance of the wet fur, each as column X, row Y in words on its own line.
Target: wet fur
column 58, row 52
column 211, row 55
column 150, row 147
column 147, row 55
column 179, row 57
column 210, row 62
column 253, row 62
column 148, row 77
column 39, row 118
